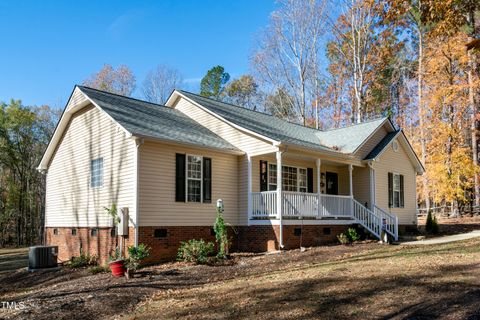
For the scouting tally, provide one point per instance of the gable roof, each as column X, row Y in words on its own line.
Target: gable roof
column 382, row 145
column 345, row 140
column 138, row 119
column 349, row 139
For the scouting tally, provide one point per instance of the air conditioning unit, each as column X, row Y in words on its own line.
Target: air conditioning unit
column 40, row 257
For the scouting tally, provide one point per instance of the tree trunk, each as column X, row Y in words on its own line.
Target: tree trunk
column 421, row 120
column 474, row 110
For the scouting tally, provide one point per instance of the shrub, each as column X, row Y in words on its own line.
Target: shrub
column 429, row 223
column 136, row 255
column 195, row 251
column 435, row 229
column 116, row 256
column 431, row 226
column 98, row 269
column 83, row 260
column 352, row 235
column 343, row 239
column 221, row 236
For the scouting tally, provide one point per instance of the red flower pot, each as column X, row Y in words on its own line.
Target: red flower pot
column 118, row 268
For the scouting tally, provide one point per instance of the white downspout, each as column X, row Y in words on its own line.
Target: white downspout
column 138, row 142
column 279, row 197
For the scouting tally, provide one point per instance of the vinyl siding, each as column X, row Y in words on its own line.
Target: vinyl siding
column 398, row 162
column 70, row 201
column 157, row 205
column 371, row 143
column 243, row 141
column 361, row 185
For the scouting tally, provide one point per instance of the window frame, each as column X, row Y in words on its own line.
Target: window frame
column 92, row 173
column 187, row 178
column 398, row 205
column 297, row 170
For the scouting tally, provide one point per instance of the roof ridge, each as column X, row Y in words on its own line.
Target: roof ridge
column 357, row 124
column 260, row 112
column 121, row 96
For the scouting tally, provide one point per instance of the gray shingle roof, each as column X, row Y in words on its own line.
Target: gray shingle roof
column 381, row 145
column 152, row 120
column 345, row 140
column 348, row 139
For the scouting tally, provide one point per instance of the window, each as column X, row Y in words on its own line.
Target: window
column 193, row 182
column 194, row 178
column 293, row 179
column 160, row 233
column 395, row 190
column 96, row 173
column 55, row 232
column 289, row 178
column 94, row 232
column 272, row 177
column 74, row 232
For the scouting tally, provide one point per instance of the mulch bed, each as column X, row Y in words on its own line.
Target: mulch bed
column 77, row 294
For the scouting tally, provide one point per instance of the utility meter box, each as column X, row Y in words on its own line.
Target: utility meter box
column 122, row 227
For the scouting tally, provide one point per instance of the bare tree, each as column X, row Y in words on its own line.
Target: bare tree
column 160, row 82
column 288, row 52
column 354, row 41
column 120, row 81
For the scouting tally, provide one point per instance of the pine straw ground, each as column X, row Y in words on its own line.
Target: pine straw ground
column 424, row 282
column 364, row 281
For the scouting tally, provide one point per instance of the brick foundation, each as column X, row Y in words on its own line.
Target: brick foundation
column 102, row 245
column 266, row 238
column 165, row 246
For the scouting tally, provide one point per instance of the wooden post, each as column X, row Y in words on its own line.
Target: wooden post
column 319, row 188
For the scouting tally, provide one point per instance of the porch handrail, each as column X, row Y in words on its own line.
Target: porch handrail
column 367, row 218
column 299, row 204
column 391, row 221
column 264, row 204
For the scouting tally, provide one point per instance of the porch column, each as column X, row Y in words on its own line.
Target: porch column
column 249, row 187
column 319, row 188
column 279, row 196
column 350, row 169
column 372, row 187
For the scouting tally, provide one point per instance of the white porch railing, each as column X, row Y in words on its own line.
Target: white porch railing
column 333, row 205
column 389, row 221
column 300, row 204
column 264, row 204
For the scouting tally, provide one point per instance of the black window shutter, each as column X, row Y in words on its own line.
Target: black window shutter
column 180, row 177
column 390, row 189
column 207, row 180
column 263, row 175
column 309, row 180
column 402, row 204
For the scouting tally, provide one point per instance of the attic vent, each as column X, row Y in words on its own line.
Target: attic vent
column 395, row 145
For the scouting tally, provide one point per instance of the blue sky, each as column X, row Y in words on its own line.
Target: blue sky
column 49, row 46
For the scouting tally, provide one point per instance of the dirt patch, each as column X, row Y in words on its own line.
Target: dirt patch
column 77, row 294
column 430, row 282
column 366, row 280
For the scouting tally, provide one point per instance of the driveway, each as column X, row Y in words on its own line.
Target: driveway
column 446, row 239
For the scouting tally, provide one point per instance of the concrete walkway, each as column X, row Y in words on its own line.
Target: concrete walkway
column 446, row 239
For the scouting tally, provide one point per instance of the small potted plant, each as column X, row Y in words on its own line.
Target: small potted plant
column 135, row 257
column 117, row 263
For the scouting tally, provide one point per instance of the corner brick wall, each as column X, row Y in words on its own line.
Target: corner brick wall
column 102, row 245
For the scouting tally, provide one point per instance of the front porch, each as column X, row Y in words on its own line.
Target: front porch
column 293, row 186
